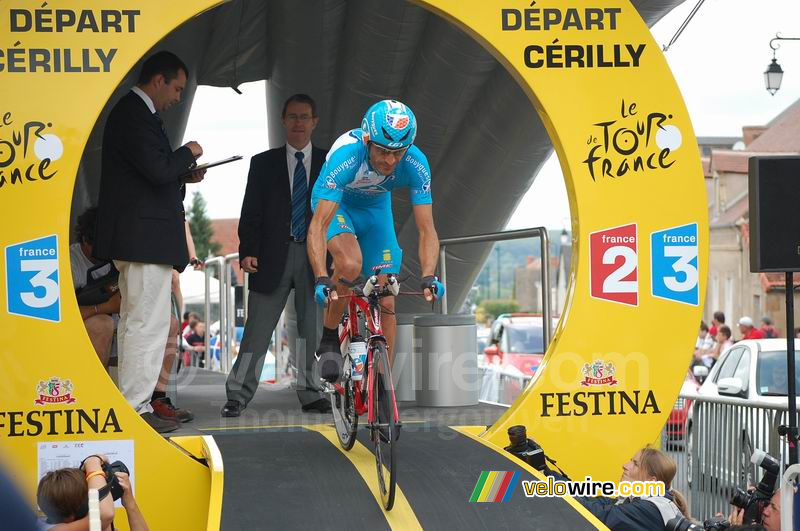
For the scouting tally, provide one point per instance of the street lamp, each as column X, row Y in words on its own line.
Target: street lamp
column 773, row 75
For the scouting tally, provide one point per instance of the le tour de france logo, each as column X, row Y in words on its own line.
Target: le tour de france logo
column 28, row 149
column 635, row 141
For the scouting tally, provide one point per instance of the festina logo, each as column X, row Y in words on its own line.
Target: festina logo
column 599, row 403
column 58, row 422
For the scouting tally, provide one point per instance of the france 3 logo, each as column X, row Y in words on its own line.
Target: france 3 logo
column 32, row 279
column 673, row 256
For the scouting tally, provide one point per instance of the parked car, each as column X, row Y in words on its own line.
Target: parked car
column 517, row 343
column 752, row 372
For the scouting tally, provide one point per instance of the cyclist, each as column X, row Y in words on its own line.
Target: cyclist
column 352, row 204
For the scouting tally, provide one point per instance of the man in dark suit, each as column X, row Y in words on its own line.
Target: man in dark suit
column 272, row 232
column 141, row 223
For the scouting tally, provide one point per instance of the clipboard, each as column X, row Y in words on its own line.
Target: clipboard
column 211, row 164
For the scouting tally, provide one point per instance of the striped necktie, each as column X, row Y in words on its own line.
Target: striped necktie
column 299, row 199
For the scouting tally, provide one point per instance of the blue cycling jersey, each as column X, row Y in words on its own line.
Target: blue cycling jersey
column 347, row 177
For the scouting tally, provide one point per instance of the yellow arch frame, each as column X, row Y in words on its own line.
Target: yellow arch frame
column 607, row 98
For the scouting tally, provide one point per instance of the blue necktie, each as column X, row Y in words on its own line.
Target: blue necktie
column 299, row 199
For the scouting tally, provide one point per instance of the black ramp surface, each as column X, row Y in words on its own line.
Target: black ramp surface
column 292, row 480
column 437, row 471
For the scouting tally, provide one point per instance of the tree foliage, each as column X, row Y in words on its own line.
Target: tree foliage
column 200, row 225
column 495, row 307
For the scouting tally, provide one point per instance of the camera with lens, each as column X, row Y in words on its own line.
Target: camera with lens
column 112, row 485
column 525, row 449
column 754, row 502
column 680, row 523
column 112, row 481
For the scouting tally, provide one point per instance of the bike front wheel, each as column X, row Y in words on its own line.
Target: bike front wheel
column 345, row 418
column 384, row 426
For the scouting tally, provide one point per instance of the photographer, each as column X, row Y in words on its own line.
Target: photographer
column 771, row 516
column 629, row 513
column 645, row 512
column 63, row 495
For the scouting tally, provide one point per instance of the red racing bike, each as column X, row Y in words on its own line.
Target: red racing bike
column 373, row 393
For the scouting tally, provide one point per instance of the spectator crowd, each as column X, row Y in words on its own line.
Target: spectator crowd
column 714, row 341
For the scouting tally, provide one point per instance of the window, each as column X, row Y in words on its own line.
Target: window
column 497, row 330
column 771, row 373
column 742, row 371
column 524, row 339
column 713, row 296
column 729, row 301
column 730, row 363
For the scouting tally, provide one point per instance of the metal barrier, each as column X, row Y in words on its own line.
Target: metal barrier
column 218, row 263
column 540, row 232
column 713, row 449
column 498, row 387
column 227, row 313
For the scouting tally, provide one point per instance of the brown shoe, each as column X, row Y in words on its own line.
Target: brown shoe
column 160, row 425
column 163, row 409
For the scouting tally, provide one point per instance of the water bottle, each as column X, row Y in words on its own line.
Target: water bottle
column 358, row 355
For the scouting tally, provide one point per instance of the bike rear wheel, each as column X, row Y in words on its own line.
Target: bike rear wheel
column 384, row 427
column 345, row 418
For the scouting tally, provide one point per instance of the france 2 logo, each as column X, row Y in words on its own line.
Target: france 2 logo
column 614, row 265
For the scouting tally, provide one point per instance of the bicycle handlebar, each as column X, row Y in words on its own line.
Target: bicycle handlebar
column 391, row 288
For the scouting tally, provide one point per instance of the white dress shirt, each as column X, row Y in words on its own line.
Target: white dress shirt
column 142, row 94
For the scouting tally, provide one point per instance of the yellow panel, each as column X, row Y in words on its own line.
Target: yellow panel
column 55, row 355
column 609, row 102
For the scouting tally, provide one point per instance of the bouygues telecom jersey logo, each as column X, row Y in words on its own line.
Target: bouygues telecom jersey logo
column 636, row 141
column 598, row 373
column 54, row 391
column 28, row 151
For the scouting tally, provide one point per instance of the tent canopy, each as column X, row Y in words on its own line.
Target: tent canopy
column 483, row 138
column 193, row 287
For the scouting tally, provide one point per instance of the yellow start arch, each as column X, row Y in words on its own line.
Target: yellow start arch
column 633, row 174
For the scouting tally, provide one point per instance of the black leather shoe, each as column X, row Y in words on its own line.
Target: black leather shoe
column 232, row 408
column 322, row 406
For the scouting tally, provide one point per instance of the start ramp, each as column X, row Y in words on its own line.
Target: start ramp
column 298, row 477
